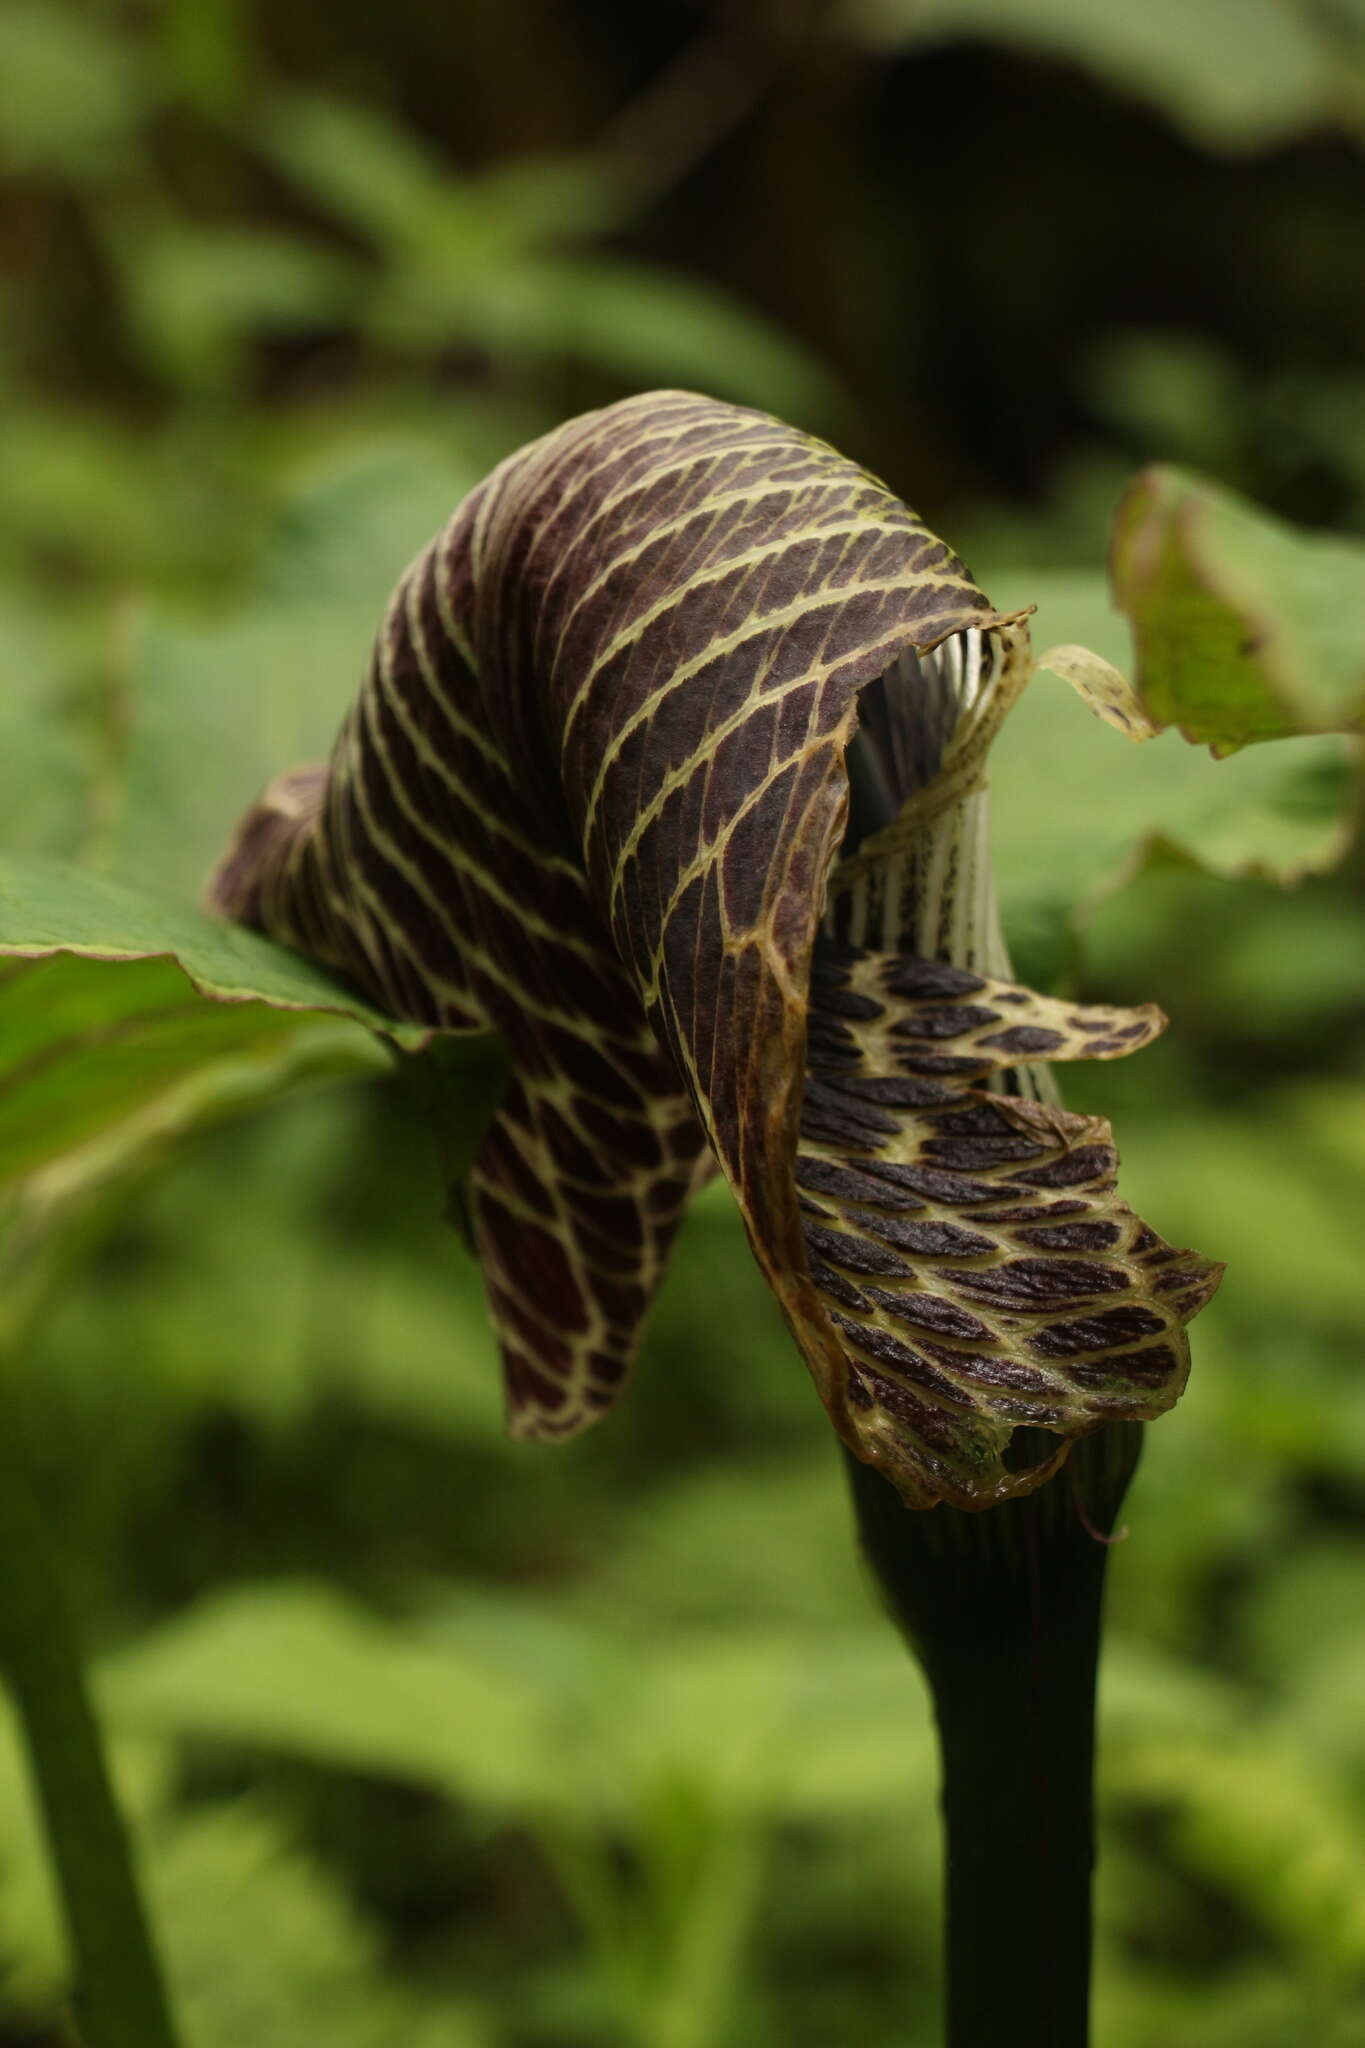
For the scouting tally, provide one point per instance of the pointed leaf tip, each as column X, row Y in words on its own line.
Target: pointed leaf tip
column 1102, row 689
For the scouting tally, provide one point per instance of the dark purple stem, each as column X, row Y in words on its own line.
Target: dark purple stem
column 1003, row 1609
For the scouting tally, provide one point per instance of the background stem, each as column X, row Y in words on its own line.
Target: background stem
column 1003, row 1609
column 120, row 1999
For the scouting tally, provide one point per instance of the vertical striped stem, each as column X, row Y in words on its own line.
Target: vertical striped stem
column 1003, row 1610
column 120, row 1998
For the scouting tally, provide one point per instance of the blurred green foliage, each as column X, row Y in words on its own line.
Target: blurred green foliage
column 430, row 1738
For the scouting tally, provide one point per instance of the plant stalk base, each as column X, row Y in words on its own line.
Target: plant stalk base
column 1003, row 1609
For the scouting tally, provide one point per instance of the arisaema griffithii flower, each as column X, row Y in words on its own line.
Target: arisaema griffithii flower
column 670, row 768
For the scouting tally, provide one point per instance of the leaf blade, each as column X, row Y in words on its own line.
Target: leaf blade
column 1244, row 629
column 49, row 907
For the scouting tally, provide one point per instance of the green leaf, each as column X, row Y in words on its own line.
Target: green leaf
column 297, row 1670
column 263, row 1945
column 124, row 505
column 71, row 91
column 358, row 166
column 501, row 262
column 98, row 1064
column 107, row 1052
column 1280, row 812
column 84, row 1050
column 1244, row 629
column 1248, row 1805
column 508, row 1707
column 645, row 324
column 47, row 907
column 199, row 295
column 260, row 1941
column 1264, row 1820
column 390, row 1301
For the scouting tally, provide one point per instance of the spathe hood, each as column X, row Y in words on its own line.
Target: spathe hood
column 592, row 796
